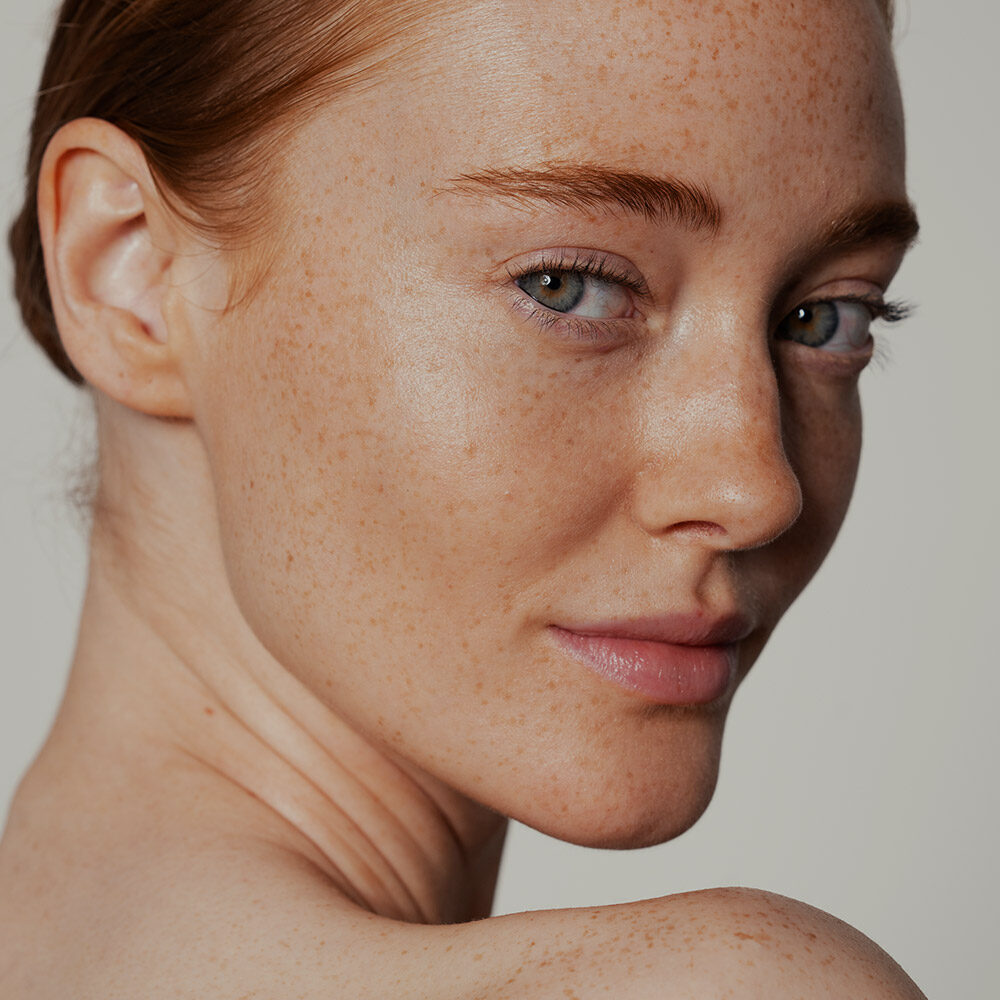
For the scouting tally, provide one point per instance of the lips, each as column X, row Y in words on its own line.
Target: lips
column 670, row 660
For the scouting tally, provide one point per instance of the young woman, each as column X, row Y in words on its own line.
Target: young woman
column 476, row 389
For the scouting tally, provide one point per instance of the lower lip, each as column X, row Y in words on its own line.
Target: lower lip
column 664, row 672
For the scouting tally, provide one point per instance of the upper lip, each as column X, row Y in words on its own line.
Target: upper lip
column 683, row 629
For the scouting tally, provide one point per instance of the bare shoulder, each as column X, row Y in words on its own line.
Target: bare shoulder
column 260, row 940
column 733, row 943
column 226, row 922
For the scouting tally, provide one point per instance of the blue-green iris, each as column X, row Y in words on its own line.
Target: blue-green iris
column 557, row 290
column 812, row 325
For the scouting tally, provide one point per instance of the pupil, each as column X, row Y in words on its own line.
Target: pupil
column 805, row 315
column 552, row 282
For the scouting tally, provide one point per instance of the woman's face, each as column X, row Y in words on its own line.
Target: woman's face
column 504, row 411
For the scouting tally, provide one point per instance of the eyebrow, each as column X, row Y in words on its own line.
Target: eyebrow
column 589, row 187
column 891, row 222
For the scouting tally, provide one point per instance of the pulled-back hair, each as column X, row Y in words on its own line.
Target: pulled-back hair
column 205, row 89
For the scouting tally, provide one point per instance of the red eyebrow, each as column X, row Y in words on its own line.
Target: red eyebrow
column 586, row 187
column 893, row 222
column 590, row 187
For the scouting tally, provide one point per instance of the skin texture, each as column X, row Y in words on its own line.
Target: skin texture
column 338, row 516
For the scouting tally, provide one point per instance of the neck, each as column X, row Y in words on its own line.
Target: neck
column 162, row 630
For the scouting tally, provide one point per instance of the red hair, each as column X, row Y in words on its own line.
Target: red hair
column 206, row 90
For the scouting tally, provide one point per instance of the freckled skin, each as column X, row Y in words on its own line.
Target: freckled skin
column 460, row 475
column 337, row 576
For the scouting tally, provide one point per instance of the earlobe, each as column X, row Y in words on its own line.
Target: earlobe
column 108, row 243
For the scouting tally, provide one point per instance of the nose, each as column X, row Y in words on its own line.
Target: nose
column 714, row 463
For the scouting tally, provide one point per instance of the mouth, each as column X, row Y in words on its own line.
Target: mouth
column 669, row 660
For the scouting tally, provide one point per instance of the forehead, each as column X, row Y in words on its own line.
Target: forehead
column 763, row 102
column 586, row 76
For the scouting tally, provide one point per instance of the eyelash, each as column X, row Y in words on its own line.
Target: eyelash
column 596, row 265
column 600, row 266
column 887, row 312
column 593, row 265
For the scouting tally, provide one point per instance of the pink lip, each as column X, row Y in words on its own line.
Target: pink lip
column 672, row 660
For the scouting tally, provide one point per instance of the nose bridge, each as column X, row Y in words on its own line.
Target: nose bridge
column 716, row 463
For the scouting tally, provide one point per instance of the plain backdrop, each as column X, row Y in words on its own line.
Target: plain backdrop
column 860, row 768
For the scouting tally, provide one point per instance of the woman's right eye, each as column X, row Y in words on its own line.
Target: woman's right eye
column 577, row 292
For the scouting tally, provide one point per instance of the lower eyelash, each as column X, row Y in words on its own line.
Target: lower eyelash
column 882, row 353
column 592, row 331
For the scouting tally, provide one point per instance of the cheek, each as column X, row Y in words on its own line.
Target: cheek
column 401, row 479
column 824, row 431
column 400, row 496
column 822, row 428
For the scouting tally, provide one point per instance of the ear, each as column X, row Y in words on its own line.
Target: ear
column 110, row 243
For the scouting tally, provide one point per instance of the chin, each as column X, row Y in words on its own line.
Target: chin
column 641, row 827
column 624, row 830
column 627, row 803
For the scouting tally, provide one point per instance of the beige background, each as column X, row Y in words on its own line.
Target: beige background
column 861, row 758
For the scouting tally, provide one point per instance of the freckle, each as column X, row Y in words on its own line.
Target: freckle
column 209, row 711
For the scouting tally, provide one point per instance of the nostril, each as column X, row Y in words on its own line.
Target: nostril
column 698, row 529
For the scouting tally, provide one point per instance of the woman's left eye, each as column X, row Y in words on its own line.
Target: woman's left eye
column 840, row 325
column 577, row 293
